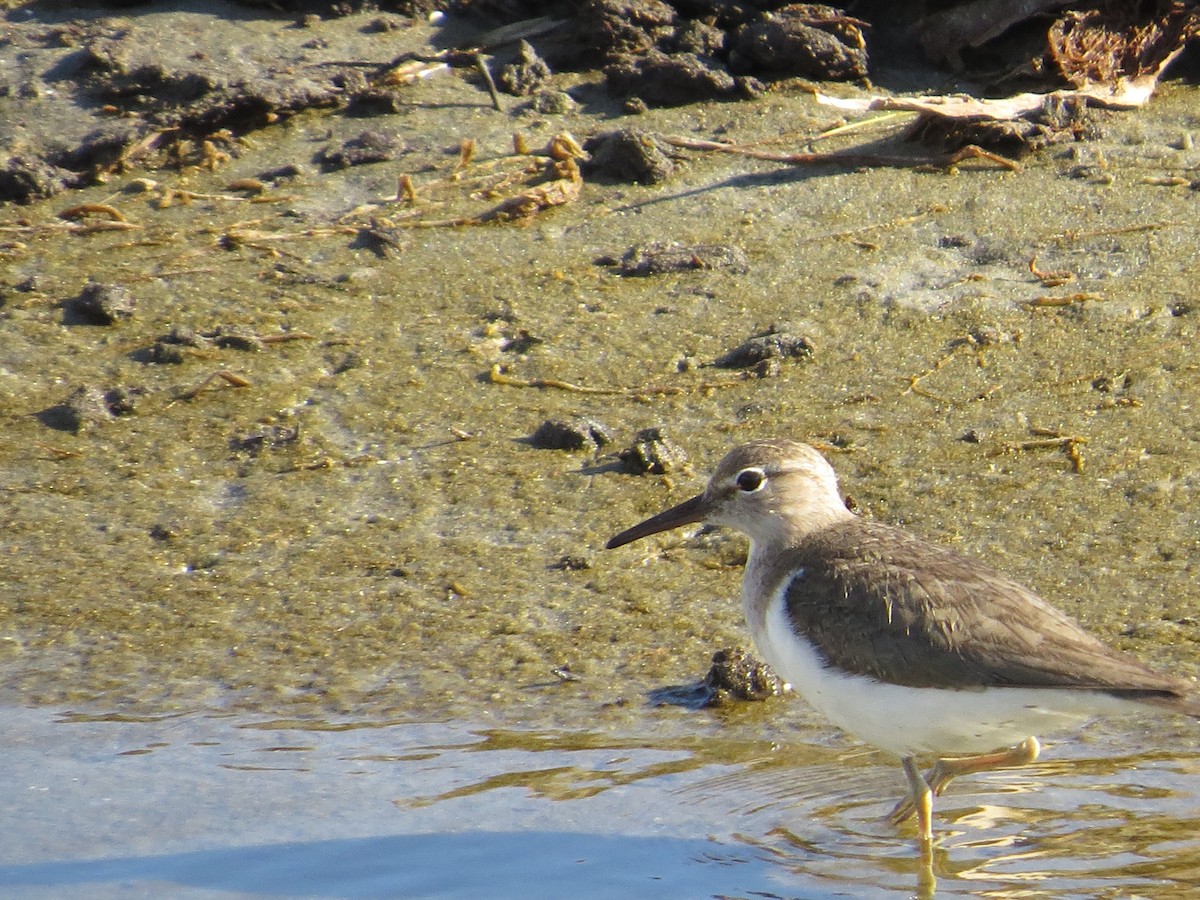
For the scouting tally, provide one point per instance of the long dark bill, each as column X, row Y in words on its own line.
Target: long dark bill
column 687, row 512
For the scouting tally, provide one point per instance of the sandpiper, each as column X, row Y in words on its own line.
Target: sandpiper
column 912, row 647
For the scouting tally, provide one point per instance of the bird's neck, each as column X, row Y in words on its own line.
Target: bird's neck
column 773, row 556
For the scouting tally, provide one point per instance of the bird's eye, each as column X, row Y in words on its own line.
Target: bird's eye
column 750, row 480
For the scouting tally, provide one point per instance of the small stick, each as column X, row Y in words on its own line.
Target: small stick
column 88, row 209
column 1050, row 279
column 1072, row 235
column 406, row 190
column 861, row 124
column 948, row 161
column 498, row 376
column 849, row 233
column 1068, row 444
column 1068, row 300
column 466, row 152
column 225, row 375
column 88, row 227
column 59, row 452
column 482, row 66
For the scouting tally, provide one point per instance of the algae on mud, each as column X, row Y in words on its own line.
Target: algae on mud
column 399, row 556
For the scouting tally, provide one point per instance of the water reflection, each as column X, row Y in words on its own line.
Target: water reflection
column 200, row 804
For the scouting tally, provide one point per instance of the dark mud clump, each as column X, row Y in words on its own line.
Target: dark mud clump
column 768, row 349
column 664, row 79
column 24, row 177
column 804, row 39
column 653, row 453
column 264, row 439
column 170, row 348
column 367, row 147
column 671, row 54
column 102, row 304
column 736, row 675
column 575, row 433
column 664, row 257
column 527, row 74
column 628, row 154
column 89, row 407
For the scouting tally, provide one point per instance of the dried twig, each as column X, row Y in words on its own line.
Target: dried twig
column 481, row 64
column 93, row 209
column 565, row 186
column 844, row 158
column 497, row 375
column 1052, row 440
column 230, row 378
column 1050, row 279
column 1068, row 300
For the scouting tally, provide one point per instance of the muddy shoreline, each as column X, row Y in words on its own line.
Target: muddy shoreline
column 320, row 498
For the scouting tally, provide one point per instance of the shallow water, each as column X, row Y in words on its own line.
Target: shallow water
column 233, row 806
column 379, row 607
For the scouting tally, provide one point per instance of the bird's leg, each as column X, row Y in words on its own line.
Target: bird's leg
column 920, row 799
column 946, row 770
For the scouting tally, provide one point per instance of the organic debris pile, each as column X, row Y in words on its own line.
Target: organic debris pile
column 91, row 93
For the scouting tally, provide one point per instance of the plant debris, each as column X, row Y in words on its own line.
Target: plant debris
column 122, row 92
column 1113, row 46
column 852, row 158
column 1050, row 439
column 557, row 165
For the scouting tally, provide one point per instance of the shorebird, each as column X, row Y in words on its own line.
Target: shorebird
column 913, row 647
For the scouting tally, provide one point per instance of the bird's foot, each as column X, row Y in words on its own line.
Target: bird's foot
column 902, row 811
column 918, row 801
column 946, row 770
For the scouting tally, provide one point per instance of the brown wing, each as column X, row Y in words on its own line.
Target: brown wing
column 880, row 602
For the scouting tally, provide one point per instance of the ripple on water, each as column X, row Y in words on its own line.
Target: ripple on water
column 205, row 804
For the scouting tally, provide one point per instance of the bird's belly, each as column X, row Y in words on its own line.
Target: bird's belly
column 909, row 721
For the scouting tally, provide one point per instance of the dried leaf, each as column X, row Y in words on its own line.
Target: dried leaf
column 543, row 196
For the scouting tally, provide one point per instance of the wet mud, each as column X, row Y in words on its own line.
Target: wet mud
column 269, row 419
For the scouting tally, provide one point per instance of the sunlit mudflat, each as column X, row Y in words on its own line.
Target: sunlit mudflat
column 213, row 806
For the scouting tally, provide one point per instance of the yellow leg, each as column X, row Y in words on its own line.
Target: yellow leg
column 946, row 770
column 920, row 796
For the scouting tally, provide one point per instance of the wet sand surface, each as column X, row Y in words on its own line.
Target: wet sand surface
column 351, row 528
